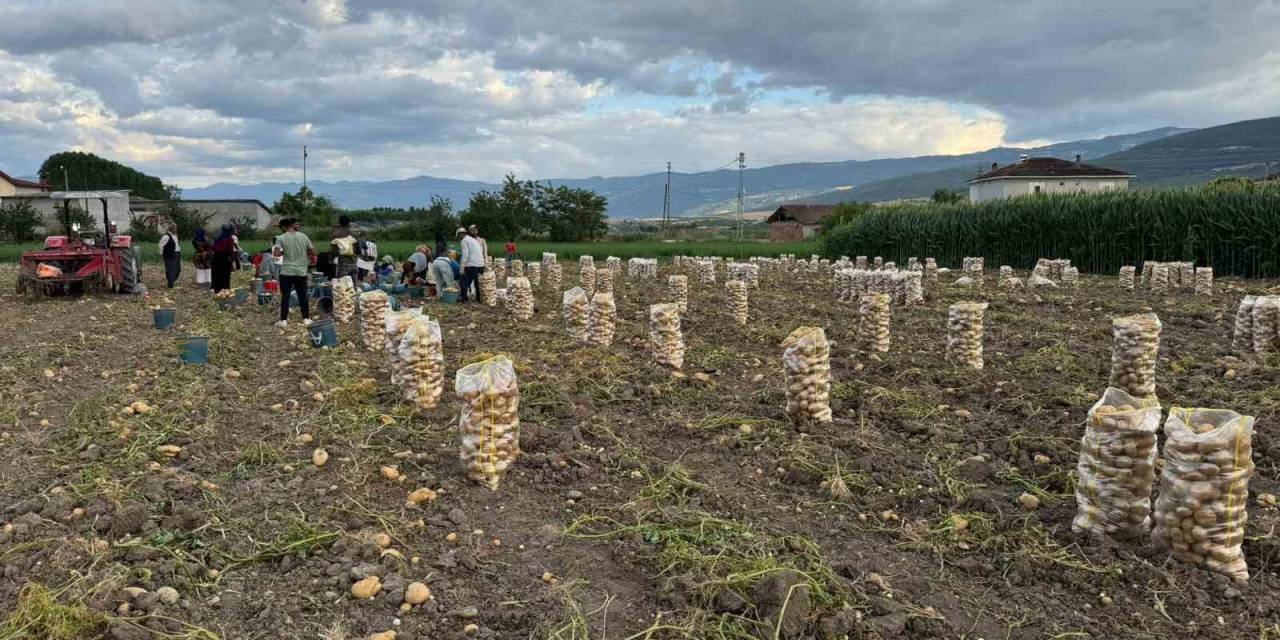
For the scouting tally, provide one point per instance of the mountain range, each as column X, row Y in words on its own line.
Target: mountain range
column 1167, row 155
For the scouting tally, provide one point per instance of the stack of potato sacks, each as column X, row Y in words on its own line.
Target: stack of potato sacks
column 533, row 271
column 1133, row 354
column 806, row 366
column 1242, row 331
column 517, row 269
column 1117, row 465
column 706, row 271
column 873, row 323
column 554, row 275
column 737, row 300
column 520, row 298
column 422, row 362
column 489, row 425
column 614, row 265
column 488, row 288
column 931, row 269
column 604, row 281
column 964, row 333
column 344, row 299
column 973, row 268
column 601, row 324
column 678, row 291
column 587, row 277
column 665, row 338
column 373, row 314
column 1265, row 324
column 576, row 308
column 1204, row 488
column 1070, row 276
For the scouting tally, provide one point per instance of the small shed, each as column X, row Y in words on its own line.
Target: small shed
column 797, row 221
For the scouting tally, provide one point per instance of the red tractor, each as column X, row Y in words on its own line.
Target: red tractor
column 82, row 261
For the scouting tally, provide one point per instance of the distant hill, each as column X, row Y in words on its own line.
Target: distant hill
column 924, row 183
column 1239, row 149
column 703, row 193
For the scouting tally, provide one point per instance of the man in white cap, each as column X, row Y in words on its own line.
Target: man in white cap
column 473, row 252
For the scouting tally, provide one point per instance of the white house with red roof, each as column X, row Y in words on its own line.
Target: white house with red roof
column 1035, row 176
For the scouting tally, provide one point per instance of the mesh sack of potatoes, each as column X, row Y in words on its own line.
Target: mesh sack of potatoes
column 520, row 298
column 344, row 299
column 841, row 283
column 555, row 275
column 1013, row 283
column 913, row 264
column 877, row 263
column 1042, row 268
column 1186, row 274
column 1160, row 277
column 806, row 368
column 889, row 266
column 964, row 333
column 915, row 287
column 576, row 308
column 586, row 261
column 860, row 262
column 737, row 290
column 1116, row 467
column 1006, row 271
column 706, row 271
column 373, row 314
column 602, row 321
column 665, row 338
column 873, row 323
column 499, row 270
column 1204, row 281
column 488, row 288
column 1133, row 354
column 516, row 269
column 1242, row 330
column 548, row 259
column 533, row 271
column 395, row 323
column 1071, row 276
column 1126, row 277
column 421, row 353
column 678, row 291
column 1204, row 487
column 490, row 422
column 1266, row 324
column 614, row 265
column 931, row 269
column 604, row 281
column 587, row 279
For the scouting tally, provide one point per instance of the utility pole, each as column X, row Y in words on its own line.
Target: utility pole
column 304, row 166
column 666, row 203
column 742, row 164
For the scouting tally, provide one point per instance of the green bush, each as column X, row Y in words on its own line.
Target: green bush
column 18, row 221
column 143, row 230
column 1234, row 230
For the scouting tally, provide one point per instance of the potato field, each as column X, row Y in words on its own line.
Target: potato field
column 814, row 451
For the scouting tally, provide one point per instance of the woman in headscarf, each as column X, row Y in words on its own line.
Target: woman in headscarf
column 201, row 258
column 224, row 252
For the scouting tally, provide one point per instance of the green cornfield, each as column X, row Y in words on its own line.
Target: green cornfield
column 1235, row 230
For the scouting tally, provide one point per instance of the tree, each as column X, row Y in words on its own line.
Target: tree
column 845, row 212
column 436, row 222
column 310, row 209
column 573, row 215
column 76, row 170
column 18, row 221
column 947, row 196
column 186, row 219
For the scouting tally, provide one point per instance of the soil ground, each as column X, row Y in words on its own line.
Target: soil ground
column 645, row 504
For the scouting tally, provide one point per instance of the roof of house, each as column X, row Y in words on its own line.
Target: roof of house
column 1050, row 168
column 18, row 182
column 802, row 213
column 145, row 201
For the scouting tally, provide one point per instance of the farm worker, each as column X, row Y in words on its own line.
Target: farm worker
column 472, row 262
column 387, row 270
column 239, row 255
column 421, row 259
column 343, row 249
column 224, row 252
column 201, row 258
column 366, row 256
column 511, row 251
column 446, row 273
column 171, row 251
column 296, row 251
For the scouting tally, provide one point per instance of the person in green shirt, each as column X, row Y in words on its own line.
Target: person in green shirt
column 296, row 251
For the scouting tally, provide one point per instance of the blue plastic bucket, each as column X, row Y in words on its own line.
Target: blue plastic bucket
column 264, row 298
column 449, row 297
column 325, row 305
column 163, row 318
column 324, row 333
column 257, row 286
column 399, row 289
column 195, row 350
column 417, row 292
column 241, row 297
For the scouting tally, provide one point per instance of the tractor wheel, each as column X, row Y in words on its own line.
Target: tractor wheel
column 130, row 271
column 29, row 289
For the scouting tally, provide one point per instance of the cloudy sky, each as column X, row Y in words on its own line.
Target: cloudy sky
column 201, row 91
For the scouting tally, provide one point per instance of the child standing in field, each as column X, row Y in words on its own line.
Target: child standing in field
column 511, row 251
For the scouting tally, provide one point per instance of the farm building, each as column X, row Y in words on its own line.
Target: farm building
column 797, row 221
column 1032, row 176
column 220, row 212
column 10, row 186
